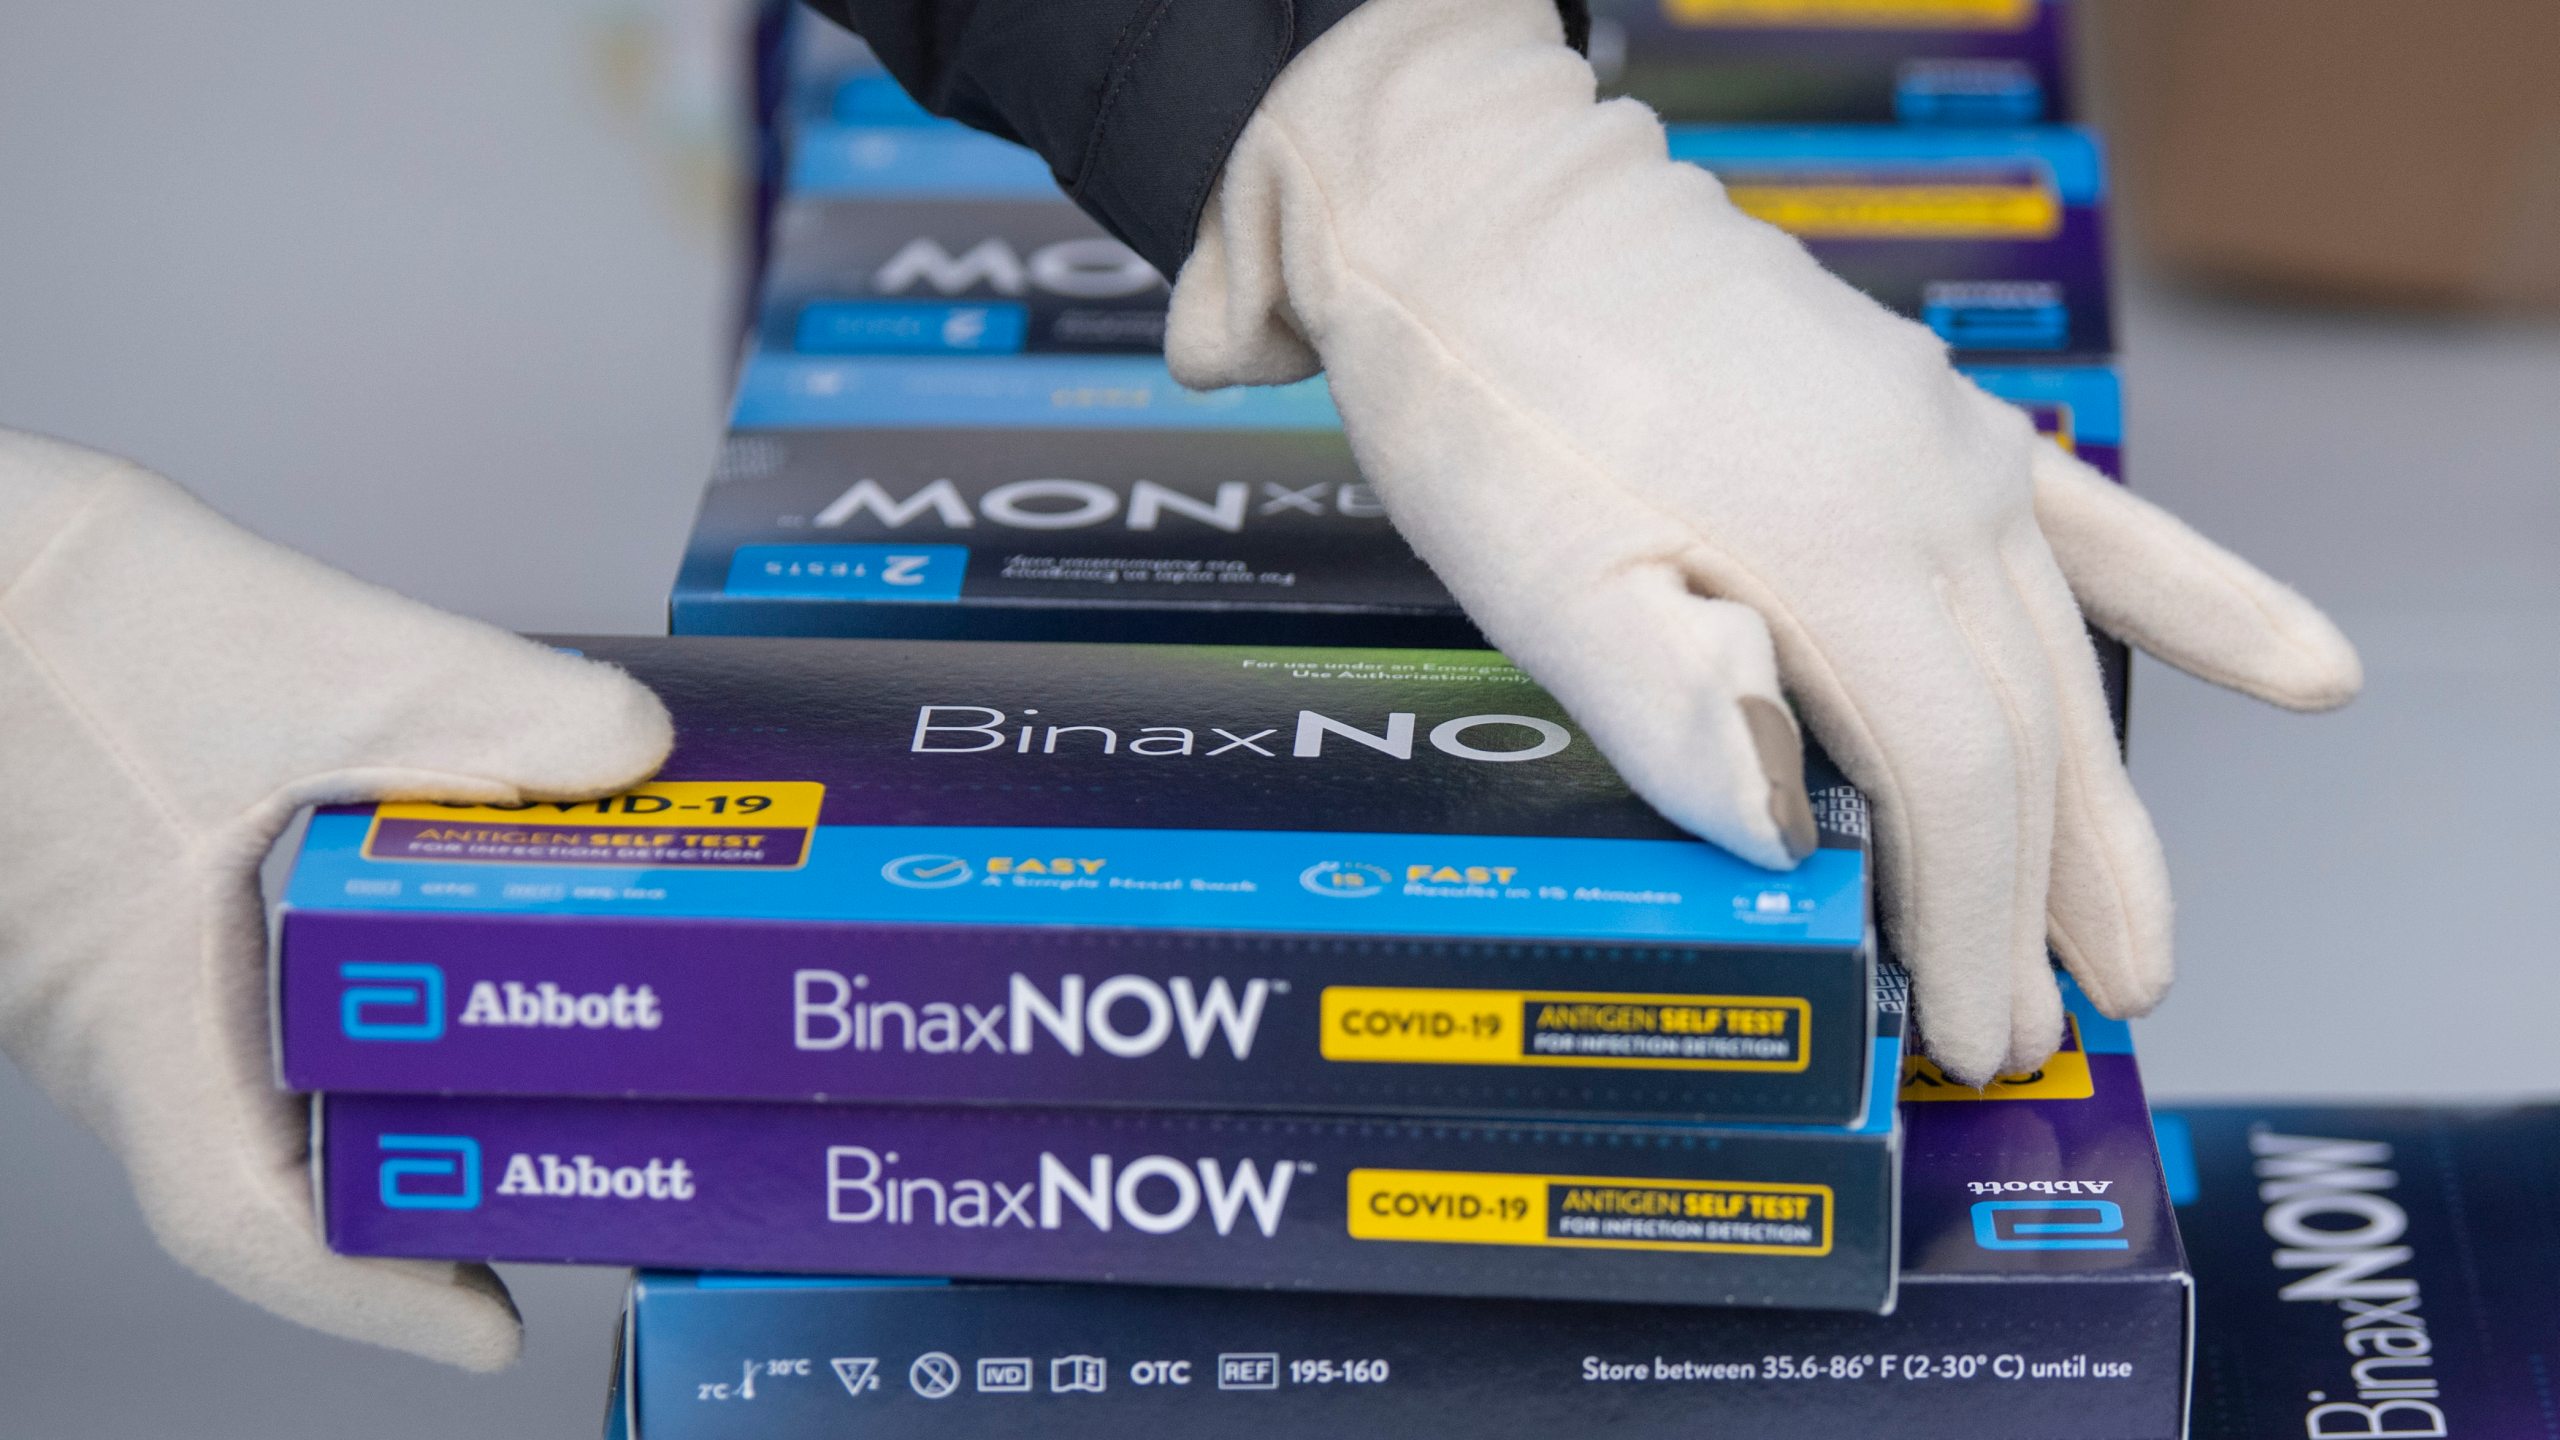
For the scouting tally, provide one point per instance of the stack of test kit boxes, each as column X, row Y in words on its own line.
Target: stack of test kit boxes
column 1343, row 970
column 1272, row 954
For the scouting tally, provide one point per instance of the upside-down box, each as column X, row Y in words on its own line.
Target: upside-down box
column 1162, row 535
column 910, row 241
column 2043, row 1298
column 1369, row 881
column 2380, row 1272
column 1090, row 498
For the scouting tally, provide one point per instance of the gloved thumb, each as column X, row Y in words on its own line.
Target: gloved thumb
column 171, row 689
column 269, row 679
column 2143, row 576
column 475, row 714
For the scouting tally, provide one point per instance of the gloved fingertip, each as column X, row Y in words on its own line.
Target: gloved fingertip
column 453, row 1314
column 2322, row 672
column 482, row 1349
column 599, row 731
column 1793, row 815
column 1781, row 752
column 2127, row 1001
column 2032, row 1042
column 2145, row 576
column 1969, row 1054
column 459, row 1315
column 1971, row 1072
column 2127, row 982
column 636, row 732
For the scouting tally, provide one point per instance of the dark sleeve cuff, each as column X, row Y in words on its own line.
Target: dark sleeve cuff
column 1135, row 104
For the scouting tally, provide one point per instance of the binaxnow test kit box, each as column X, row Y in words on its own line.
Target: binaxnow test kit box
column 2043, row 1297
column 1090, row 498
column 2370, row 1271
column 918, row 241
column 1024, row 532
column 891, row 275
column 1773, row 1215
column 1995, row 239
column 1920, row 62
column 1226, row 878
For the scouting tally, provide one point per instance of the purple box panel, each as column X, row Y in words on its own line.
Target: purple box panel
column 1776, row 1216
column 1032, row 1015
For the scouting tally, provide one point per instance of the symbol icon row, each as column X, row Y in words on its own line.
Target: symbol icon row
column 936, row 1374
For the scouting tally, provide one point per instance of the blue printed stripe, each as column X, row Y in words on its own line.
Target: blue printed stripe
column 1136, row 392
column 911, row 327
column 1884, row 1087
column 2177, row 1156
column 1103, row 392
column 933, row 160
column 931, row 573
column 716, row 1280
column 911, row 159
column 1265, row 881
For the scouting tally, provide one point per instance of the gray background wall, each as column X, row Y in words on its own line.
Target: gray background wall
column 437, row 293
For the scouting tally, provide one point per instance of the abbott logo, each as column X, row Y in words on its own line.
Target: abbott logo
column 386, row 1001
column 927, row 872
column 430, row 1172
column 2058, row 1225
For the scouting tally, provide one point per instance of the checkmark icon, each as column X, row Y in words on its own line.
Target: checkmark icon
column 927, row 872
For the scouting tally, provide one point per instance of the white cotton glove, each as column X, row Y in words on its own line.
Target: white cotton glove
column 1641, row 436
column 172, row 690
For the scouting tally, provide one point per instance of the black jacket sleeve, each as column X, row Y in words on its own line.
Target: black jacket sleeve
column 1134, row 103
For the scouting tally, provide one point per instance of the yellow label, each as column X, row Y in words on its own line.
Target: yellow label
column 1875, row 14
column 2064, row 1077
column 1565, row 1027
column 1903, row 212
column 1591, row 1212
column 720, row 824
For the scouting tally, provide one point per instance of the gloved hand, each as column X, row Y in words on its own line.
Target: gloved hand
column 172, row 689
column 1642, row 437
